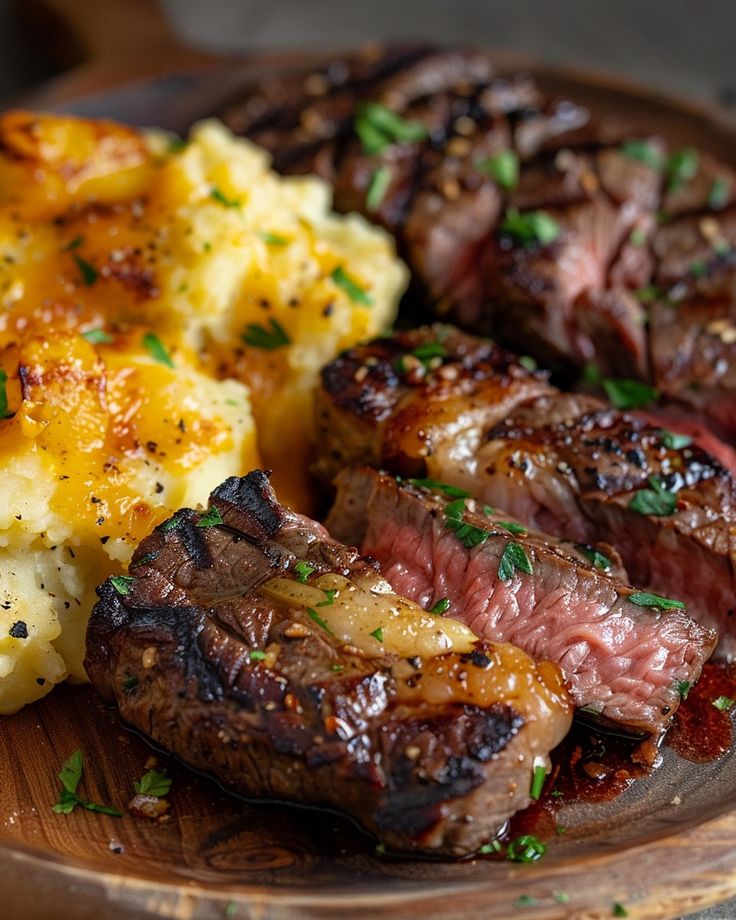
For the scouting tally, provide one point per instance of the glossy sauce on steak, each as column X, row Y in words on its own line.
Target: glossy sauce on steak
column 624, row 662
column 565, row 464
column 261, row 651
column 573, row 239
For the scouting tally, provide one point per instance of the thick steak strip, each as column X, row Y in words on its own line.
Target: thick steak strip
column 562, row 463
column 625, row 662
column 238, row 678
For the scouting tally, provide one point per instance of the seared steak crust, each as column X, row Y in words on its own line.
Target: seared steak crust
column 623, row 662
column 565, row 464
column 576, row 295
column 263, row 695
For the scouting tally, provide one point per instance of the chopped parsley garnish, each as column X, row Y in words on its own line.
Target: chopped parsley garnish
column 302, row 571
column 351, row 287
column 513, row 558
column 428, row 351
column 488, row 511
column 540, row 774
column 642, row 151
column 256, row 655
column 268, row 338
column 73, row 244
column 442, row 606
column 377, row 188
column 378, row 127
column 329, row 597
column 595, row 556
column 719, row 193
column 645, row 599
column 154, row 782
column 675, row 441
column 4, row 395
column 377, row 634
column 561, row 897
column 684, row 687
column 156, row 349
column 70, row 777
column 171, row 523
column 629, row 394
column 273, row 239
column 530, row 227
column 177, row 144
column 468, row 534
column 313, row 615
column 637, row 237
column 493, row 847
column 97, row 337
column 559, row 830
column 698, row 269
column 219, row 196
column 210, row 518
column 87, row 272
column 658, row 500
column 528, row 363
column 723, row 703
column 435, row 486
column 380, row 849
column 512, row 527
column 556, row 794
column 337, row 667
column 526, row 849
column 122, row 583
column 130, row 683
column 526, row 900
column 648, row 294
column 618, row 910
column 681, row 167
column 503, row 168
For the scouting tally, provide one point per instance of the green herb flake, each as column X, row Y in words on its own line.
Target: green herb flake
column 171, row 524
column 684, row 687
column 303, row 570
column 351, row 287
column 556, row 794
column 561, row 897
column 645, row 599
column 723, row 703
column 87, row 272
column 4, row 413
column 618, row 910
column 337, row 667
column 493, row 847
column 264, row 337
column 629, row 394
column 230, row 909
column 216, row 194
column 156, row 349
column 130, row 683
column 531, row 227
column 675, row 441
column 513, row 558
column 380, row 849
column 657, row 501
column 468, row 534
column 313, row 615
column 643, row 152
column 73, row 244
column 681, row 168
column 429, row 351
column 594, row 556
column 560, row 830
column 435, row 486
column 698, row 269
column 648, row 294
column 538, row 778
column 122, row 583
column 97, row 337
column 210, row 518
column 256, row 655
column 176, row 144
column 329, row 597
column 377, row 188
column 442, row 606
column 154, row 782
column 377, row 634
column 70, row 777
column 526, row 849
column 592, row 373
column 638, row 237
column 719, row 194
column 525, row 900
column 378, row 127
column 273, row 239
column 512, row 527
column 503, row 168
column 528, row 363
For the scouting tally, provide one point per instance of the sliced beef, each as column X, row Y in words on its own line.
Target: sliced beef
column 565, row 464
column 261, row 651
column 623, row 660
column 576, row 291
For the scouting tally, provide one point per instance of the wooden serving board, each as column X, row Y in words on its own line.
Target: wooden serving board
column 218, row 856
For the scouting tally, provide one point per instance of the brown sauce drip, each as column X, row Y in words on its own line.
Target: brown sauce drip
column 702, row 732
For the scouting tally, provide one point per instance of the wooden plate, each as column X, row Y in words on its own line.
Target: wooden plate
column 664, row 847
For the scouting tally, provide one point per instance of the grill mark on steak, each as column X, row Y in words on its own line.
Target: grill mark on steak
column 623, row 662
column 565, row 464
column 429, row 753
column 568, row 303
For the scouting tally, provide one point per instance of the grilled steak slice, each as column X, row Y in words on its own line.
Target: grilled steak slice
column 521, row 215
column 623, row 660
column 562, row 463
column 261, row 651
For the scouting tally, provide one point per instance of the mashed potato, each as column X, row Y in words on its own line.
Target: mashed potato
column 164, row 312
